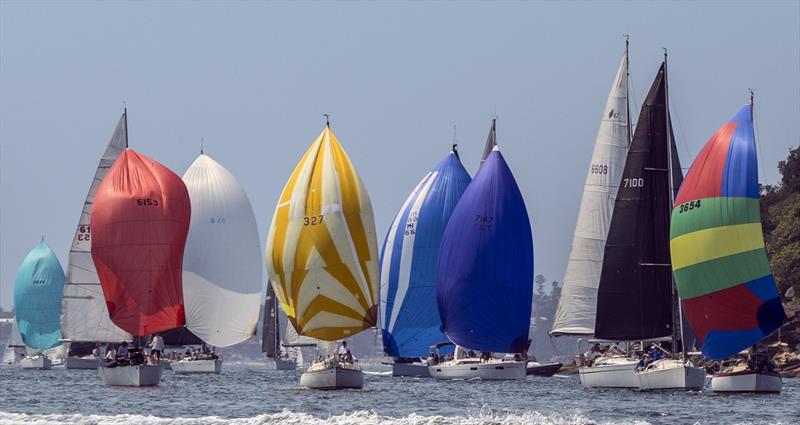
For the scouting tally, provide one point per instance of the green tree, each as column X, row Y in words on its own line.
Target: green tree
column 780, row 215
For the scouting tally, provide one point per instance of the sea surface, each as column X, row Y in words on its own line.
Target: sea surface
column 256, row 394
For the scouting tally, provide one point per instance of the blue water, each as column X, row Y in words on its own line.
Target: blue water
column 255, row 394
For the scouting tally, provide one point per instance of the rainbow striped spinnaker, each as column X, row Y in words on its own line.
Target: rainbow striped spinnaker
column 720, row 264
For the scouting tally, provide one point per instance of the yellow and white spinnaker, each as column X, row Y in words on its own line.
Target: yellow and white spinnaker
column 321, row 253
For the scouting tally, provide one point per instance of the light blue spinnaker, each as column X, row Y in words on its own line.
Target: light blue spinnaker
column 409, row 319
column 37, row 298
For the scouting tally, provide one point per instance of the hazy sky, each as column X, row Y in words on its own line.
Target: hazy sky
column 254, row 79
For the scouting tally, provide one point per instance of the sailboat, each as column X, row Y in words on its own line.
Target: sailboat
column 15, row 348
column 577, row 307
column 720, row 264
column 322, row 257
column 636, row 296
column 222, row 278
column 286, row 352
column 140, row 220
column 410, row 321
column 37, row 304
column 484, row 276
column 84, row 317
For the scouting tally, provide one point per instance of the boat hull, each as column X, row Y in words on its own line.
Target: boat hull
column 81, row 363
column 131, row 376
column 671, row 375
column 619, row 374
column 416, row 370
column 197, row 366
column 746, row 383
column 332, row 377
column 548, row 369
column 38, row 363
column 285, row 364
column 494, row 370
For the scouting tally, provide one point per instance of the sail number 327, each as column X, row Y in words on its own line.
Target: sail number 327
column 313, row 220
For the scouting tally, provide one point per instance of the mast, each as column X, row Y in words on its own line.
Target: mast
column 125, row 114
column 277, row 337
column 677, row 328
column 627, row 91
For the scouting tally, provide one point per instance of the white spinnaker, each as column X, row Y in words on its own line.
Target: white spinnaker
column 578, row 303
column 84, row 316
column 292, row 338
column 222, row 278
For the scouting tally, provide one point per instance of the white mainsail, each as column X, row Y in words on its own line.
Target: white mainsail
column 84, row 316
column 222, row 278
column 578, row 303
column 291, row 338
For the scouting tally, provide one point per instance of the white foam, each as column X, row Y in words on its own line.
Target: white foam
column 287, row 417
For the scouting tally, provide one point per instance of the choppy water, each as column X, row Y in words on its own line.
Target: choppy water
column 254, row 394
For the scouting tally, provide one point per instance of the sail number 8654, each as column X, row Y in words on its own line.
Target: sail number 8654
column 686, row 206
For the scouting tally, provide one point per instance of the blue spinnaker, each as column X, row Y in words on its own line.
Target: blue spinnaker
column 409, row 318
column 37, row 298
column 485, row 268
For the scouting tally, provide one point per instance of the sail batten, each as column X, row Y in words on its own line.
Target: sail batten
column 84, row 314
column 577, row 306
column 321, row 251
column 720, row 263
column 410, row 321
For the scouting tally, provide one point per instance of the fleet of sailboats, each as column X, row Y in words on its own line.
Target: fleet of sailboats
column 659, row 265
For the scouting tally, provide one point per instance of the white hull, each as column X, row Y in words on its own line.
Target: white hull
column 285, row 364
column 40, row 363
column 417, row 370
column 473, row 369
column 81, row 363
column 746, row 383
column 131, row 376
column 197, row 366
column 670, row 374
column 615, row 372
column 331, row 377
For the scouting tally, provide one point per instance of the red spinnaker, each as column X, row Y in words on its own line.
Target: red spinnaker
column 140, row 220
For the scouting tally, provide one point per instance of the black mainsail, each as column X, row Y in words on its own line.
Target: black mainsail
column 270, row 336
column 635, row 296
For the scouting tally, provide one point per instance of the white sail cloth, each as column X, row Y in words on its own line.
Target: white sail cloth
column 222, row 278
column 84, row 316
column 577, row 307
column 292, row 338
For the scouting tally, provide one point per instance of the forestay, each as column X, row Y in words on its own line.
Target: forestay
column 222, row 277
column 718, row 256
column 140, row 219
column 321, row 250
column 84, row 316
column 37, row 298
column 578, row 303
column 410, row 321
column 485, row 266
